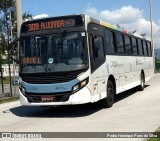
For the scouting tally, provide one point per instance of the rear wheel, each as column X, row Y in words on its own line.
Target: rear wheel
column 142, row 81
column 109, row 100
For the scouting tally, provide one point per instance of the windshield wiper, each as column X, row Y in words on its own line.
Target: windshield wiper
column 60, row 41
column 60, row 44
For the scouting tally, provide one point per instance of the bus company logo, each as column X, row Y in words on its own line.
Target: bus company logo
column 114, row 64
column 32, row 88
column 60, row 88
column 6, row 135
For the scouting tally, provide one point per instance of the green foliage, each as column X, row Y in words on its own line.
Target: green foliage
column 7, row 100
column 156, row 139
column 6, row 80
column 8, row 24
column 27, row 15
column 4, row 61
column 3, row 44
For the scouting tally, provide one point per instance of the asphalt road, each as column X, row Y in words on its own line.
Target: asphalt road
column 133, row 111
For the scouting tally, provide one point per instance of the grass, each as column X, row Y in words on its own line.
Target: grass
column 5, row 80
column 155, row 139
column 8, row 99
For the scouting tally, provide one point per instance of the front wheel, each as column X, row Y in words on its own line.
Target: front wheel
column 109, row 100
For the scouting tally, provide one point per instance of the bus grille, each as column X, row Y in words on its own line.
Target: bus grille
column 46, row 79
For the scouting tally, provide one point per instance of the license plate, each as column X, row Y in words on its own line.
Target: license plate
column 47, row 98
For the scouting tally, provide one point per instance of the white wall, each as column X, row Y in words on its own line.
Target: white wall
column 5, row 70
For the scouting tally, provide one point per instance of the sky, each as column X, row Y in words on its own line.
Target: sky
column 131, row 14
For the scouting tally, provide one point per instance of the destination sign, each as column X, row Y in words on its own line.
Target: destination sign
column 31, row 60
column 52, row 23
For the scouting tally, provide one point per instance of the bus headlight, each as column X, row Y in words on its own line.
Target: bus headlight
column 83, row 83
column 76, row 88
column 80, row 85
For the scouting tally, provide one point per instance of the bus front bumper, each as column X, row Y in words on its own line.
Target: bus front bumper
column 80, row 97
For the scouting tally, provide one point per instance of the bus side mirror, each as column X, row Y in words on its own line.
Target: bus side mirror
column 14, row 51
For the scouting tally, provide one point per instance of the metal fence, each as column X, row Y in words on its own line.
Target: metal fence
column 6, row 88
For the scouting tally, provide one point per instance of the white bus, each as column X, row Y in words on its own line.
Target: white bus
column 77, row 59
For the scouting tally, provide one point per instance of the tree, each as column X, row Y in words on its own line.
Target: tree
column 8, row 29
column 8, row 24
column 3, row 44
column 27, row 16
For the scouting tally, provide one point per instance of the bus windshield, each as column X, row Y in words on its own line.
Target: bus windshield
column 66, row 51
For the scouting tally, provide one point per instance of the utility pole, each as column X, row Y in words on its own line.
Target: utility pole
column 152, row 37
column 19, row 16
column 19, row 21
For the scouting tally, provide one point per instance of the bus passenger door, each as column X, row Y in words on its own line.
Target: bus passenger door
column 98, row 67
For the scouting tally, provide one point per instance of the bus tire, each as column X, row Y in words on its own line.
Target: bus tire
column 109, row 100
column 142, row 81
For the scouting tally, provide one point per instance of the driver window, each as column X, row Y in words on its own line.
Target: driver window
column 96, row 51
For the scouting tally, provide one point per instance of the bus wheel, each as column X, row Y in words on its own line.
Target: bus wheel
column 109, row 100
column 141, row 86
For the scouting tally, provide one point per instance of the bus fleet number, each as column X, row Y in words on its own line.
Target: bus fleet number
column 33, row 27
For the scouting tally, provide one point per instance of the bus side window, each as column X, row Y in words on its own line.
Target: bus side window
column 119, row 44
column 145, row 48
column 149, row 49
column 128, row 48
column 140, row 49
column 134, row 46
column 97, row 55
column 110, row 46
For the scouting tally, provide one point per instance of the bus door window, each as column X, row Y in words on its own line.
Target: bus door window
column 97, row 54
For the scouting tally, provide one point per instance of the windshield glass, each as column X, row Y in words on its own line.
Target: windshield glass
column 53, row 53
